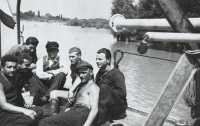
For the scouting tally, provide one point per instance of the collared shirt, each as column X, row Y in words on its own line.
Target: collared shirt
column 43, row 74
column 17, row 49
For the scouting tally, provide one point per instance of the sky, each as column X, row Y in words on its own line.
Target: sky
column 82, row 9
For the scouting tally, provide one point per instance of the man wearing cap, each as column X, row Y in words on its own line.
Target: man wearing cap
column 51, row 74
column 111, row 81
column 84, row 111
column 75, row 59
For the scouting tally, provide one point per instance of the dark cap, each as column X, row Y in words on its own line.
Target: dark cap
column 51, row 45
column 83, row 64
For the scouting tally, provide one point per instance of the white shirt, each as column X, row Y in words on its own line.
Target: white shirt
column 47, row 75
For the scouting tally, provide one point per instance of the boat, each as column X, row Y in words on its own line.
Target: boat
column 135, row 116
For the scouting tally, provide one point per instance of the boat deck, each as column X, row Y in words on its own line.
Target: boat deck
column 132, row 117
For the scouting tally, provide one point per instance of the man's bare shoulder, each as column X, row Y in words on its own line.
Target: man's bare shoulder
column 1, row 87
column 17, row 46
column 93, row 85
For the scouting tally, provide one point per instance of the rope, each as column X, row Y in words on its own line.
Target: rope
column 151, row 57
column 10, row 9
column 116, row 62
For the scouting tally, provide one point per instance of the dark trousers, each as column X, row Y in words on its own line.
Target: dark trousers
column 44, row 87
column 109, row 104
column 76, row 116
column 19, row 119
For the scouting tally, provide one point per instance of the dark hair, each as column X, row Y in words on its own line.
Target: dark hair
column 32, row 40
column 106, row 52
column 24, row 55
column 7, row 58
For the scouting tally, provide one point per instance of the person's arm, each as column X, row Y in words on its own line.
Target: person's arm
column 33, row 66
column 119, row 83
column 76, row 83
column 13, row 50
column 39, row 70
column 12, row 108
column 94, row 100
column 63, row 68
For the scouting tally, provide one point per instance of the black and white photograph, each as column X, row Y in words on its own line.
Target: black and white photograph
column 100, row 63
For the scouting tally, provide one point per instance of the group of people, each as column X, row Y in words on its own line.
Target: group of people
column 91, row 100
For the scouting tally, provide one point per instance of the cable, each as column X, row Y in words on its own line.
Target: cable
column 116, row 62
column 150, row 57
column 10, row 10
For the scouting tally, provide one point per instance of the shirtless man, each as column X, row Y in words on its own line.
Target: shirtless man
column 75, row 59
column 12, row 112
column 84, row 111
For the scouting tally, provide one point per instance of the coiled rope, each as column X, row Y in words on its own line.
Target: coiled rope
column 116, row 62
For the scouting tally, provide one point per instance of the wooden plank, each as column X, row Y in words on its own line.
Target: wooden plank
column 170, row 93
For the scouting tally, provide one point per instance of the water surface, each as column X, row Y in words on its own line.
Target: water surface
column 145, row 77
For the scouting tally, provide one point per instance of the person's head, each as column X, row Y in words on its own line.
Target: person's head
column 84, row 71
column 31, row 45
column 9, row 65
column 74, row 55
column 103, row 58
column 25, row 61
column 52, row 49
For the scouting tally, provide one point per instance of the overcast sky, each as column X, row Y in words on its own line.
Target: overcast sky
column 68, row 8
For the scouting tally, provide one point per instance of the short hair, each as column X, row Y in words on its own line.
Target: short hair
column 32, row 40
column 75, row 49
column 24, row 55
column 7, row 58
column 106, row 52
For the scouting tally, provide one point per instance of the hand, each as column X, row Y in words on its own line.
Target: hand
column 50, row 76
column 67, row 109
column 32, row 114
column 32, row 66
column 29, row 102
column 70, row 93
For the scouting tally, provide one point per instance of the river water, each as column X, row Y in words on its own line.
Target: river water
column 145, row 77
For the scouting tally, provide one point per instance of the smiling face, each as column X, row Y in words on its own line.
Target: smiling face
column 74, row 57
column 85, row 74
column 101, row 60
column 10, row 68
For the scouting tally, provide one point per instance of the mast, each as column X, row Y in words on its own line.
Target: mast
column 18, row 20
column 0, row 39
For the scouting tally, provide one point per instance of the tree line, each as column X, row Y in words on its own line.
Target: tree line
column 97, row 23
